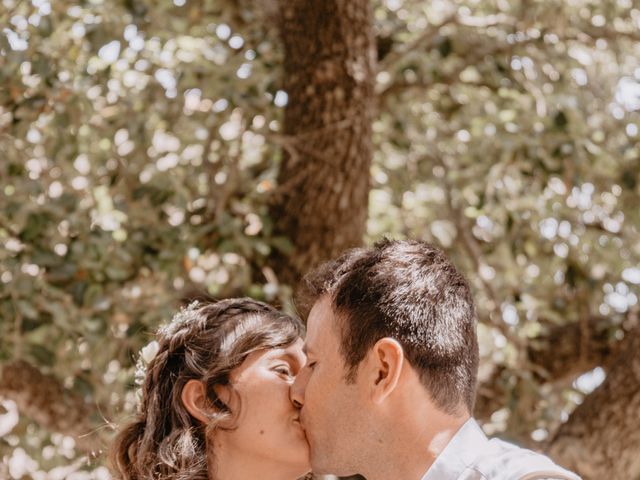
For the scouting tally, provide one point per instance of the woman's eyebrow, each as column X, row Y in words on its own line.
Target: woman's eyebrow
column 289, row 357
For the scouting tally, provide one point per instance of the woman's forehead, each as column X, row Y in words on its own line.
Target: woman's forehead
column 292, row 352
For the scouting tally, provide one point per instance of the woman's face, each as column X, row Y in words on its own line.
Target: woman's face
column 267, row 427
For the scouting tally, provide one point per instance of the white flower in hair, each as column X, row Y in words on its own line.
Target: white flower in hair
column 149, row 351
column 147, row 354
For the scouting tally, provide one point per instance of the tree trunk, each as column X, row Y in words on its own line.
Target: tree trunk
column 601, row 439
column 323, row 184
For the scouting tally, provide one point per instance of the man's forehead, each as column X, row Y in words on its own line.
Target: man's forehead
column 320, row 320
column 321, row 313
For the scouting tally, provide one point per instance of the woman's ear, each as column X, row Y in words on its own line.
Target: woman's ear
column 194, row 398
column 387, row 357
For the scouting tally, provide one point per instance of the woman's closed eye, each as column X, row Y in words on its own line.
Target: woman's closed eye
column 283, row 370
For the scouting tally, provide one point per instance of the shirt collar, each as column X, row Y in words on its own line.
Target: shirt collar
column 459, row 452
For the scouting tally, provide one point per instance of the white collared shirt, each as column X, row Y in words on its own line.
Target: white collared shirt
column 470, row 455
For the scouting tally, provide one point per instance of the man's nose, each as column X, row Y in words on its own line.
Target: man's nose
column 296, row 391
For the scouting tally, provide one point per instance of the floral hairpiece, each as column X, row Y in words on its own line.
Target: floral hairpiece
column 147, row 354
column 150, row 350
column 184, row 316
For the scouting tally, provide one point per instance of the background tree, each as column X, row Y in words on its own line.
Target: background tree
column 153, row 148
column 329, row 68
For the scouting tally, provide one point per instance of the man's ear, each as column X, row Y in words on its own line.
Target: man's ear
column 194, row 398
column 386, row 360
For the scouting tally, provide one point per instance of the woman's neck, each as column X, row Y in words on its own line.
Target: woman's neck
column 230, row 464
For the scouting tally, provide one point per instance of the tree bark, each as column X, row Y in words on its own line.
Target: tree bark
column 601, row 439
column 323, row 183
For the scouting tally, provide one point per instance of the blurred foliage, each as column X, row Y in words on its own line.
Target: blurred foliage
column 509, row 135
column 139, row 142
column 135, row 170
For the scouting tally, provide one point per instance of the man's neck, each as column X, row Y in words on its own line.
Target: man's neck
column 411, row 446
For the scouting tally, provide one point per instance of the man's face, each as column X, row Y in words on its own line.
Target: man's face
column 333, row 412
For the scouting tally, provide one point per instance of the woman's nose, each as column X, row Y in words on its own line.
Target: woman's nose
column 296, row 392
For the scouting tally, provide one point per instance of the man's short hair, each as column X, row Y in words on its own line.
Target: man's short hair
column 408, row 290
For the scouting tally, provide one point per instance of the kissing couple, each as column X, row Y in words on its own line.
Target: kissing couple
column 380, row 383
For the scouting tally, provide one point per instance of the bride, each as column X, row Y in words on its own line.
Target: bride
column 215, row 399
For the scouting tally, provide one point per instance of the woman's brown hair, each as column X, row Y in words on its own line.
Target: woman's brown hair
column 203, row 342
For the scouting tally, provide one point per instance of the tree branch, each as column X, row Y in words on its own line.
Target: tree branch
column 475, row 253
column 562, row 353
column 425, row 40
column 602, row 436
column 453, row 76
column 43, row 399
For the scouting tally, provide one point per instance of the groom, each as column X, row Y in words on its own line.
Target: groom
column 389, row 384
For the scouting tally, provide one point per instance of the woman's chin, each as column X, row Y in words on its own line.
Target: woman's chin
column 305, row 463
column 303, row 472
column 302, row 460
column 298, row 467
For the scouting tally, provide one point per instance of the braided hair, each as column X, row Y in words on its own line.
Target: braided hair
column 203, row 342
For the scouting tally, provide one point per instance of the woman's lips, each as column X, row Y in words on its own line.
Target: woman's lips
column 298, row 422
